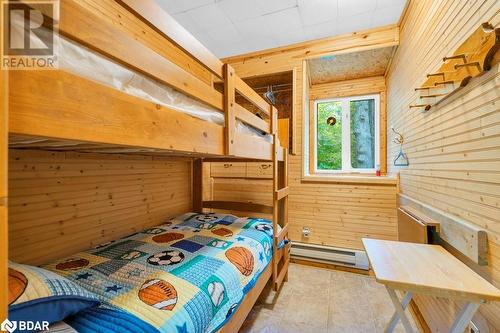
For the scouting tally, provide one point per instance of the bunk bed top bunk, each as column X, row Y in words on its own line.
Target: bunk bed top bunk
column 132, row 80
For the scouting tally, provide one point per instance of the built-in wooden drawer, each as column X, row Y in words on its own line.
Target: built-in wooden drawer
column 259, row 170
column 228, row 169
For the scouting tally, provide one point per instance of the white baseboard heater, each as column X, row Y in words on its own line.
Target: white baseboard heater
column 330, row 255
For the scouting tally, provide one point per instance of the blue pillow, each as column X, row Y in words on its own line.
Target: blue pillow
column 36, row 294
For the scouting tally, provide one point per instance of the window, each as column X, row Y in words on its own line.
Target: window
column 347, row 134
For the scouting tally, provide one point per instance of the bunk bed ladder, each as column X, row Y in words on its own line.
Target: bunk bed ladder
column 281, row 257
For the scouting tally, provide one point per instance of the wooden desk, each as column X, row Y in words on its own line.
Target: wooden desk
column 429, row 270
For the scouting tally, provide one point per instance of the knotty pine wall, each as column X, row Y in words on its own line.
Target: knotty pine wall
column 64, row 202
column 454, row 149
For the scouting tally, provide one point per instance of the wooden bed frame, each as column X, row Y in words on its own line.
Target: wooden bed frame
column 57, row 110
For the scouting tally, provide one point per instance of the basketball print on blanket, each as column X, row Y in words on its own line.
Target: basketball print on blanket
column 166, row 258
column 159, row 294
column 242, row 259
column 17, row 284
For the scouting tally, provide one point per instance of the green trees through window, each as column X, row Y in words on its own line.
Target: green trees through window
column 346, row 134
column 329, row 136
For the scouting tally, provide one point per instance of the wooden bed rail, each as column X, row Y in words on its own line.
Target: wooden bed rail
column 148, row 40
column 238, row 206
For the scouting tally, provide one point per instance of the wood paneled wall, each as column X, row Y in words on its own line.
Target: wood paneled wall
column 454, row 149
column 338, row 214
column 64, row 202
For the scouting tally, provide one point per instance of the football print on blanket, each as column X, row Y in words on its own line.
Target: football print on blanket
column 159, row 294
column 166, row 258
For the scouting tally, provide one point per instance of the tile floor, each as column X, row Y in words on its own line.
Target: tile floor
column 319, row 300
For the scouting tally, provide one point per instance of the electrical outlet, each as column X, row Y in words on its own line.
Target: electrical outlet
column 473, row 327
column 306, row 231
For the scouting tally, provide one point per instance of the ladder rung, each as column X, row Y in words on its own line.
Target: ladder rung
column 279, row 237
column 280, row 194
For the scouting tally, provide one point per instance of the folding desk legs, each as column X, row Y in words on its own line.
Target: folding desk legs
column 464, row 317
column 400, row 311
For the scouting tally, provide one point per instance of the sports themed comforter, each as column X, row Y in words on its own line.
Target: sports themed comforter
column 188, row 275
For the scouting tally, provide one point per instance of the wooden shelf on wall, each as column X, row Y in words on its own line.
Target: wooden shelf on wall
column 469, row 60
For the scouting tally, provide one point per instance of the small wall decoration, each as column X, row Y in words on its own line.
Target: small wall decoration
column 471, row 59
column 401, row 159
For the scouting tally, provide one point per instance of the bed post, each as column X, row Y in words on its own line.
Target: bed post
column 280, row 206
column 197, row 185
column 229, row 106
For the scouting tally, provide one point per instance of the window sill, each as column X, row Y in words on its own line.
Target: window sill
column 351, row 178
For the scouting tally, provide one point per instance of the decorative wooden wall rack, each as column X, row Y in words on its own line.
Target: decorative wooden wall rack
column 471, row 59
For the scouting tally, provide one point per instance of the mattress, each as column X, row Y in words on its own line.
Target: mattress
column 83, row 62
column 189, row 274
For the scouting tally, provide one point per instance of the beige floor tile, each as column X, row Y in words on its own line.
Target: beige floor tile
column 318, row 301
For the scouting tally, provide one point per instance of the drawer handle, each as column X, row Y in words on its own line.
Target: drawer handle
column 264, row 166
column 227, row 165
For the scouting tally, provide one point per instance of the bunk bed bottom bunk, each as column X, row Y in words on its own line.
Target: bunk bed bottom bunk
column 191, row 274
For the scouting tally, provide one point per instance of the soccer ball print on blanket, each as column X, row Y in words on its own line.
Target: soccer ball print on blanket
column 188, row 275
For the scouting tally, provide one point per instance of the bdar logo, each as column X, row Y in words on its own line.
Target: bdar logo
column 9, row 326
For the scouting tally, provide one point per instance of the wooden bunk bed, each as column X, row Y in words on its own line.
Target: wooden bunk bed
column 60, row 110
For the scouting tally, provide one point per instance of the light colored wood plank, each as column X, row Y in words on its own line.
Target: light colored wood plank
column 228, row 169
column 426, row 269
column 259, row 170
column 156, row 16
column 82, row 210
column 229, row 109
column 466, row 237
column 238, row 206
column 80, row 22
column 43, row 104
column 249, row 118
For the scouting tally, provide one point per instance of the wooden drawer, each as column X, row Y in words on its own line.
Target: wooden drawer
column 259, row 170
column 228, row 169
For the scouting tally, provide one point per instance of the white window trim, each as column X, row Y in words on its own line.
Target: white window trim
column 346, row 130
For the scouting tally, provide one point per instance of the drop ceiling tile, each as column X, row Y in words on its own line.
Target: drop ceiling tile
column 230, row 27
column 209, row 16
column 254, row 28
column 177, row 6
column 387, row 15
column 322, row 30
column 349, row 8
column 187, row 22
column 390, row 3
column 272, row 6
column 239, row 10
column 227, row 34
column 354, row 23
column 313, row 12
column 284, row 23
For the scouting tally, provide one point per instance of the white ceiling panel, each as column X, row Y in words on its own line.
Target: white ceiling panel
column 231, row 27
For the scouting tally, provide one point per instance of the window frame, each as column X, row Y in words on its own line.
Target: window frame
column 346, row 131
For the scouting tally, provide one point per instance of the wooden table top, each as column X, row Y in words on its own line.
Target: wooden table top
column 426, row 269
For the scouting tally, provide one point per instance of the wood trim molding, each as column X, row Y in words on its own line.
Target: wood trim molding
column 285, row 58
